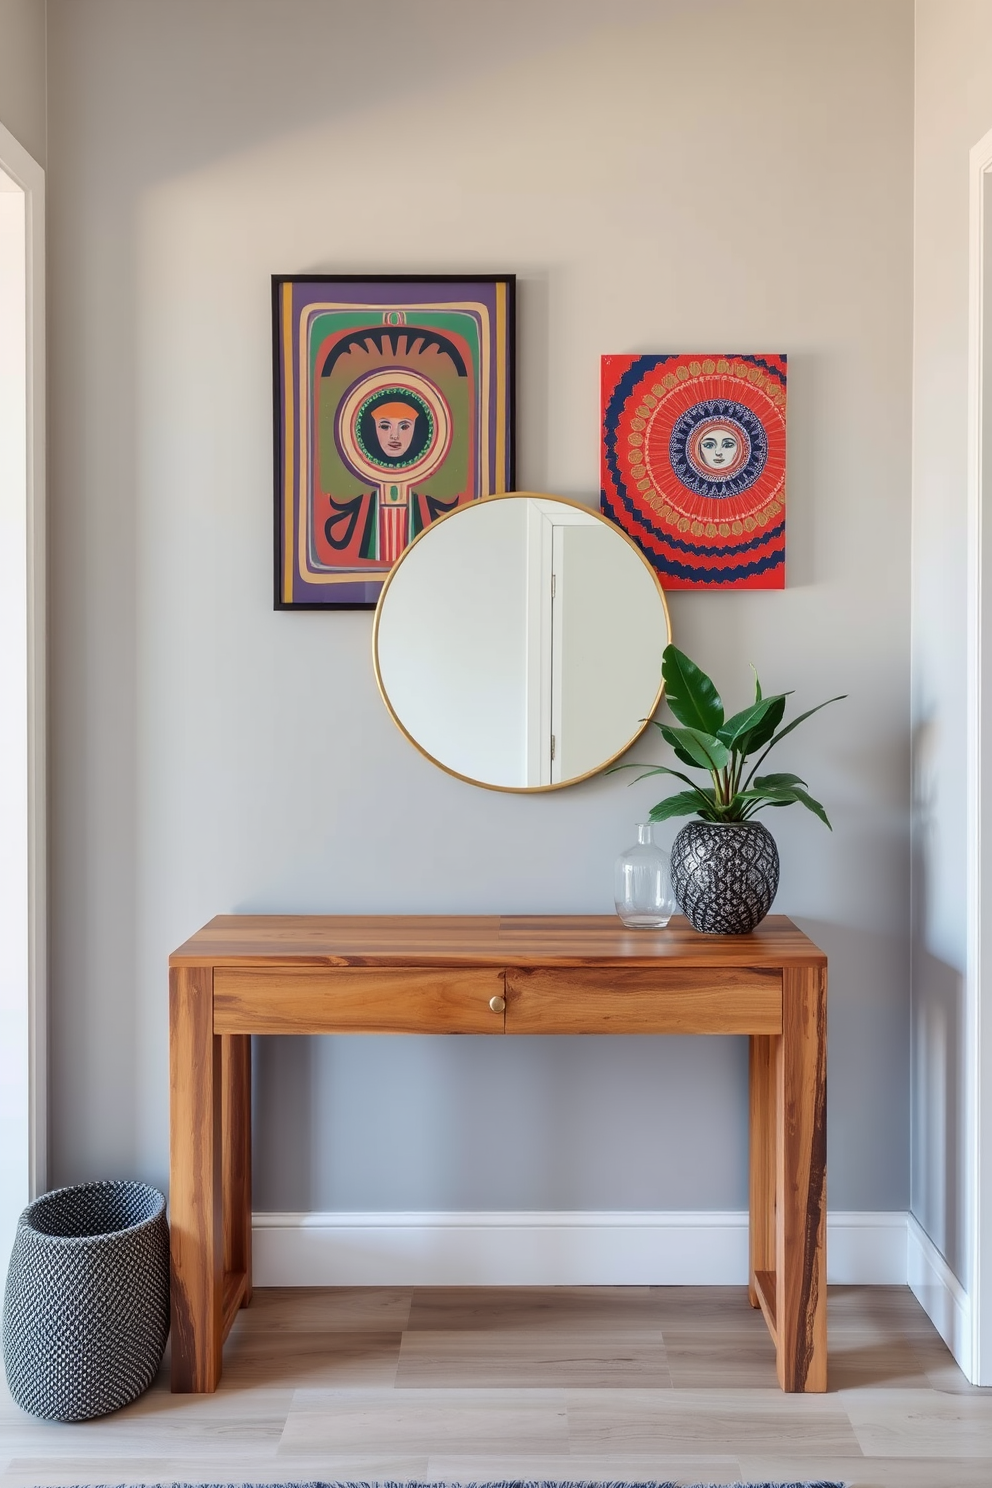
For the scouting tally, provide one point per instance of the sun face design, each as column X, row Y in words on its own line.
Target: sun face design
column 694, row 467
column 718, row 448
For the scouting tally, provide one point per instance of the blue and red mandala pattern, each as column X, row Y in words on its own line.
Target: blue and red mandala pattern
column 694, row 465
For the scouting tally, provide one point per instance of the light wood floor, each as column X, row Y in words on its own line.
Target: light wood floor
column 566, row 1383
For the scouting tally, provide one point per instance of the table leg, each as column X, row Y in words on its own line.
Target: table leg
column 801, row 1205
column 761, row 1230
column 195, row 1204
column 236, row 1160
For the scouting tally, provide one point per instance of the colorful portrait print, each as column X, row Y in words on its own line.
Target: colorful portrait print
column 394, row 404
column 693, row 465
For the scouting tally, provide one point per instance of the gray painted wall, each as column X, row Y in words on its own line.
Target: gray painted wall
column 953, row 112
column 22, row 73
column 652, row 190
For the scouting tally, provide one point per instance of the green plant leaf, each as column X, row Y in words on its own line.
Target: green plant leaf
column 803, row 717
column 664, row 770
column 703, row 794
column 686, row 803
column 795, row 724
column 806, row 800
column 639, row 765
column 758, row 736
column 786, row 795
column 691, row 695
column 670, row 735
column 706, row 741
column 735, row 729
column 694, row 747
column 687, row 759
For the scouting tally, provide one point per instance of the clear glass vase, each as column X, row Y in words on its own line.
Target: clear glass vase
column 642, row 889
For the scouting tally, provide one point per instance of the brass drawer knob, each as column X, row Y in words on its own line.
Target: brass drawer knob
column 497, row 1004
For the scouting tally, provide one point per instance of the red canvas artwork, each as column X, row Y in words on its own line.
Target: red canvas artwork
column 693, row 465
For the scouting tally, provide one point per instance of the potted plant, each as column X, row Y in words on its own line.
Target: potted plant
column 724, row 864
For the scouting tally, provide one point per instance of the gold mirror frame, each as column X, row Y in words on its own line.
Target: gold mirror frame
column 520, row 790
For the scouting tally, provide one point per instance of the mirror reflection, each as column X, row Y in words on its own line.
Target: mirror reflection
column 518, row 642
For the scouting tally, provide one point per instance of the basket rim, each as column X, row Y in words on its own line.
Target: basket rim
column 26, row 1218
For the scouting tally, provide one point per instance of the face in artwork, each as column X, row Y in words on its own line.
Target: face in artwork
column 394, row 424
column 718, row 447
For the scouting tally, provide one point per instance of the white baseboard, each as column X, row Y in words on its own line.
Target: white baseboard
column 939, row 1293
column 866, row 1248
column 551, row 1249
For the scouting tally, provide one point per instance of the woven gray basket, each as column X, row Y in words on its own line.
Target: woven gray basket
column 86, row 1313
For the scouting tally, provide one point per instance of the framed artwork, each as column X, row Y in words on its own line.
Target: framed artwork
column 394, row 403
column 693, row 465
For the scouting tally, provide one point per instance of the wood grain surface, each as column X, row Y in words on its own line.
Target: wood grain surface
column 761, row 1160
column 633, row 999
column 347, row 999
column 235, row 1085
column 286, row 974
column 485, row 940
column 801, row 1198
column 622, row 1384
column 233, row 1298
column 763, row 1287
column 195, row 1202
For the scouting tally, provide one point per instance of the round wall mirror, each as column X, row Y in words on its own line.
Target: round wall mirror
column 518, row 642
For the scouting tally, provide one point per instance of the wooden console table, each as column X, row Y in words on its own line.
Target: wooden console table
column 253, row 974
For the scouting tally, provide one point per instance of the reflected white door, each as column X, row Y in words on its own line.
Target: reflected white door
column 595, row 680
column 547, row 521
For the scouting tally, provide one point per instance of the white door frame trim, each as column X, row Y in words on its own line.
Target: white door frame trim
column 28, row 174
column 978, row 975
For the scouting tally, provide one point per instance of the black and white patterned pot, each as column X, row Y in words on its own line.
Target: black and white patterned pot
column 86, row 1313
column 724, row 875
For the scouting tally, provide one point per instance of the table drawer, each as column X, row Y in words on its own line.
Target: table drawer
column 630, row 999
column 356, row 999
